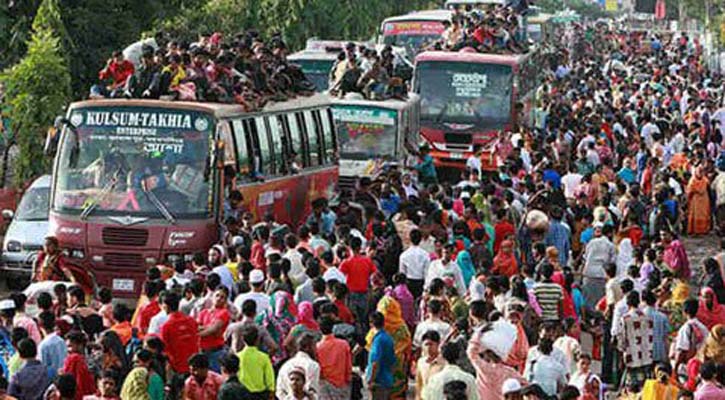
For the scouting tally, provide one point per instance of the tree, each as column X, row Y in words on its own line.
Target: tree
column 36, row 90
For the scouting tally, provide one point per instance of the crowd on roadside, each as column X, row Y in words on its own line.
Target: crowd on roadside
column 482, row 289
column 244, row 69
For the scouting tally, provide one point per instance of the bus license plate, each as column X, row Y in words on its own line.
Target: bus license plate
column 457, row 156
column 123, row 285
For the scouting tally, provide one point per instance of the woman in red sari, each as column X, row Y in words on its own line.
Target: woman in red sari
column 698, row 204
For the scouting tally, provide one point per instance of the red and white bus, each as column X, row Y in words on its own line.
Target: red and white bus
column 467, row 98
column 142, row 182
column 414, row 30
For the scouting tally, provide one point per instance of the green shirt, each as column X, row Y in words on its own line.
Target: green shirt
column 156, row 387
column 255, row 370
column 15, row 363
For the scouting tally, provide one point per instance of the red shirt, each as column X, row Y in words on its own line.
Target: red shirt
column 358, row 269
column 180, row 335
column 344, row 313
column 145, row 314
column 118, row 72
column 75, row 364
column 209, row 317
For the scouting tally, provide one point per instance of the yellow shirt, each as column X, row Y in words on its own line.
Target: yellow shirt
column 255, row 370
column 232, row 266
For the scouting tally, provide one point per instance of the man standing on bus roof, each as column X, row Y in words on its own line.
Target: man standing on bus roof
column 425, row 166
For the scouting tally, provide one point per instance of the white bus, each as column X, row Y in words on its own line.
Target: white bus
column 414, row 30
column 374, row 135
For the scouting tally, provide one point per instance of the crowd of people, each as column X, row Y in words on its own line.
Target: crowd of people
column 480, row 289
column 497, row 30
column 243, row 69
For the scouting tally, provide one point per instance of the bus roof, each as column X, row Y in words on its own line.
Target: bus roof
column 471, row 57
column 391, row 104
column 450, row 3
column 426, row 15
column 219, row 110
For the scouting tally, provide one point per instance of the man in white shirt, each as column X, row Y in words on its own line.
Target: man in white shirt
column 691, row 335
column 571, row 182
column 303, row 360
column 648, row 131
column 297, row 269
column 446, row 268
column 620, row 307
column 414, row 264
column 432, row 322
column 473, row 163
column 546, row 371
column 256, row 280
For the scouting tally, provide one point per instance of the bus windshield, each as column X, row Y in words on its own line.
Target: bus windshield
column 317, row 71
column 412, row 36
column 365, row 132
column 465, row 93
column 145, row 162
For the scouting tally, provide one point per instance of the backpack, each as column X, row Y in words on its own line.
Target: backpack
column 133, row 345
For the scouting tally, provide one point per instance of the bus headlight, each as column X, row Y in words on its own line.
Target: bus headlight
column 13, row 246
column 172, row 258
column 79, row 254
column 189, row 257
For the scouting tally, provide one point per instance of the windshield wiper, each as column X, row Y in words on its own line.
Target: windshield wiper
column 101, row 196
column 442, row 113
column 159, row 206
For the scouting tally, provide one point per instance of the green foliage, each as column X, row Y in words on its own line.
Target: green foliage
column 37, row 89
column 297, row 20
column 15, row 22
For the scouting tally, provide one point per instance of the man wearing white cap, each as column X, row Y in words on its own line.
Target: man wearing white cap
column 256, row 279
column 511, row 389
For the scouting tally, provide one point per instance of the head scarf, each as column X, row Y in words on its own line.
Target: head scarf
column 284, row 306
column 306, row 316
column 680, row 293
column 390, row 308
column 402, row 294
column 715, row 344
column 135, row 387
column 710, row 317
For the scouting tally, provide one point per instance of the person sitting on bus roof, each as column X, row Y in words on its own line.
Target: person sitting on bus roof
column 115, row 74
column 144, row 83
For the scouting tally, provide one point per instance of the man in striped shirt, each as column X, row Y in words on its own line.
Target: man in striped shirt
column 549, row 294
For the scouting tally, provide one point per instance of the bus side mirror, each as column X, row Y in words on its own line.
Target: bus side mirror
column 51, row 141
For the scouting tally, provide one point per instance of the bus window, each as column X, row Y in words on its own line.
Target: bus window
column 296, row 135
column 241, row 140
column 278, row 144
column 225, row 136
column 262, row 143
column 313, row 141
column 329, row 136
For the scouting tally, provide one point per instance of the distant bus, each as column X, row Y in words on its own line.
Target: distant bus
column 474, row 4
column 317, row 59
column 468, row 97
column 539, row 28
column 374, row 135
column 142, row 182
column 414, row 30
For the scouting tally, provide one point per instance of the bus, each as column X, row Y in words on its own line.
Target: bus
column 467, row 98
column 539, row 29
column 374, row 135
column 317, row 59
column 474, row 4
column 414, row 30
column 138, row 183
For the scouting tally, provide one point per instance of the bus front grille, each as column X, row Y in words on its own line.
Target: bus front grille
column 125, row 237
column 458, row 138
column 123, row 260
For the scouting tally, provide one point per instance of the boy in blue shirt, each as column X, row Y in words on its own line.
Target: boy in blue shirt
column 381, row 360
